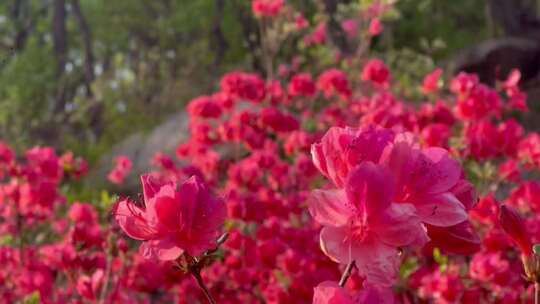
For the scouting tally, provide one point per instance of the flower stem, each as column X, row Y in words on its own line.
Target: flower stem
column 347, row 274
column 197, row 275
column 536, row 293
column 108, row 269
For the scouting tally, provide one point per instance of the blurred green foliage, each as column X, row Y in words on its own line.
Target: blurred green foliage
column 439, row 28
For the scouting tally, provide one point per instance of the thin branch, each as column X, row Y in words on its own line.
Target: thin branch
column 536, row 293
column 197, row 275
column 346, row 274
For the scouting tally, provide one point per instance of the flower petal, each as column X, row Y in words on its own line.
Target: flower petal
column 163, row 250
column 336, row 244
column 334, row 143
column 420, row 172
column 341, row 149
column 442, row 210
column 132, row 220
column 399, row 158
column 202, row 214
column 457, row 239
column 330, row 207
column 370, row 188
column 151, row 186
column 444, row 173
column 464, row 192
column 167, row 207
column 330, row 292
column 378, row 262
column 399, row 225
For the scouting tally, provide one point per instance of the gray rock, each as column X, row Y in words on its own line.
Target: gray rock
column 498, row 57
column 140, row 148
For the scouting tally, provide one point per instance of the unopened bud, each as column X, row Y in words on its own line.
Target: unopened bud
column 513, row 225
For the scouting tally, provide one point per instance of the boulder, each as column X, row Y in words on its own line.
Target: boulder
column 140, row 148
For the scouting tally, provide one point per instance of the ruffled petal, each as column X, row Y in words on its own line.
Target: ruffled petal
column 151, row 186
column 420, row 172
column 132, row 220
column 442, row 210
column 336, row 244
column 444, row 172
column 167, row 208
column 163, row 250
column 341, row 149
column 399, row 225
column 330, row 207
column 334, row 144
column 378, row 262
column 204, row 215
column 370, row 188
column 399, row 158
column 319, row 159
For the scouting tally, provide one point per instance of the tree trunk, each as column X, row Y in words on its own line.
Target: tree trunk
column 88, row 52
column 218, row 43
column 23, row 23
column 59, row 34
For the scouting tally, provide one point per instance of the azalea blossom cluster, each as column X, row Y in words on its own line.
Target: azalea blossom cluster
column 391, row 195
column 311, row 185
column 121, row 170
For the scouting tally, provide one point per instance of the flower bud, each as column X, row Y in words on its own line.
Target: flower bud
column 513, row 225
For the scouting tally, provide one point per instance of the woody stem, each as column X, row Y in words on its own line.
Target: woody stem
column 197, row 275
column 347, row 274
column 536, row 293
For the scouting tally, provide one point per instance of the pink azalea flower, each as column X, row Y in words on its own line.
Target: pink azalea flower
column 302, row 85
column 267, row 8
column 334, row 81
column 122, row 169
column 243, row 86
column 377, row 72
column 173, row 221
column 204, row 107
column 362, row 224
column 431, row 81
column 375, row 27
column 432, row 182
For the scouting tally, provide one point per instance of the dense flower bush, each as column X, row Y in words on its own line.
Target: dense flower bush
column 314, row 186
